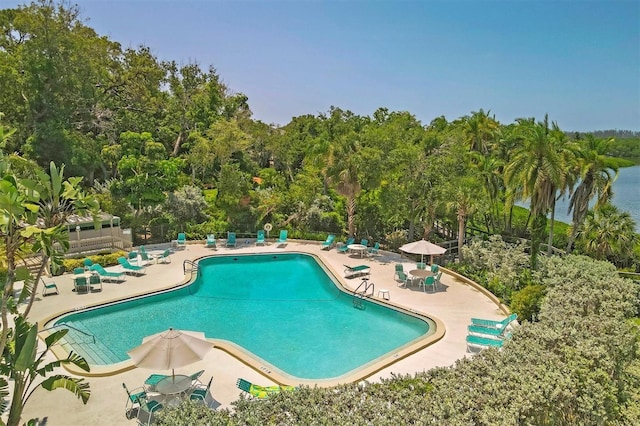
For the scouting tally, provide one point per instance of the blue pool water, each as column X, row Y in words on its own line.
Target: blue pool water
column 282, row 308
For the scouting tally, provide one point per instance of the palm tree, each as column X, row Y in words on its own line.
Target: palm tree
column 597, row 174
column 608, row 234
column 464, row 200
column 540, row 167
column 338, row 152
column 489, row 169
column 480, row 131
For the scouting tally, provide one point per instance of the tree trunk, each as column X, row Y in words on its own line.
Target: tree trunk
column 461, row 228
column 176, row 145
column 553, row 215
column 32, row 298
column 351, row 215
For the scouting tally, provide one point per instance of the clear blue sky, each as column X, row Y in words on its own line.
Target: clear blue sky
column 578, row 61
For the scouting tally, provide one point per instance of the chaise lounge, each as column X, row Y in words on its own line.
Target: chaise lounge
column 129, row 268
column 107, row 275
column 355, row 271
column 261, row 392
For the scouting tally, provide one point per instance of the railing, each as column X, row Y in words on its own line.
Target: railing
column 64, row 324
column 359, row 295
column 97, row 244
column 194, row 266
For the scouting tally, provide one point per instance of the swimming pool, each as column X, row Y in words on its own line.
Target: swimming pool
column 283, row 310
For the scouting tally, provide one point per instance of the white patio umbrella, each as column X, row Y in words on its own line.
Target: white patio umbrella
column 423, row 248
column 170, row 349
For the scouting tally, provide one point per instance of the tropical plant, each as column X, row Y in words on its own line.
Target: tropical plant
column 540, row 166
column 29, row 369
column 596, row 179
column 608, row 234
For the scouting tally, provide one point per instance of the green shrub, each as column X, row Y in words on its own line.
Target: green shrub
column 106, row 259
column 526, row 302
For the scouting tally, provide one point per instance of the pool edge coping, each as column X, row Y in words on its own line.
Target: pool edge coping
column 249, row 359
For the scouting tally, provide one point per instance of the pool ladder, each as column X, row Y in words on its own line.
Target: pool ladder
column 194, row 266
column 360, row 293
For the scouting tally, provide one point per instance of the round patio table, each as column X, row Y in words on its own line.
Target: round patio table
column 172, row 386
column 361, row 249
column 421, row 273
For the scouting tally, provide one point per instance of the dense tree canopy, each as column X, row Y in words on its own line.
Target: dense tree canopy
column 139, row 129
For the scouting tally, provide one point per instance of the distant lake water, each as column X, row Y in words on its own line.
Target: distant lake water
column 626, row 196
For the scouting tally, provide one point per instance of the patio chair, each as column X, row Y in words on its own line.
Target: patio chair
column 435, row 268
column 81, row 285
column 283, row 238
column 165, row 257
column 211, row 241
column 48, row 288
column 421, row 265
column 345, row 247
column 438, row 277
column 132, row 256
column 151, row 382
column 195, row 378
column 399, row 268
column 182, row 240
column 148, row 407
column 374, row 250
column 231, row 239
column 129, row 268
column 78, row 271
column 427, row 282
column 483, row 342
column 364, row 242
column 494, row 324
column 260, row 238
column 133, row 399
column 146, row 259
column 403, row 279
column 355, row 271
column 203, row 394
column 108, row 275
column 94, row 282
column 328, row 243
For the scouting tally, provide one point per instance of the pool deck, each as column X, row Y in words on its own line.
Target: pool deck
column 455, row 303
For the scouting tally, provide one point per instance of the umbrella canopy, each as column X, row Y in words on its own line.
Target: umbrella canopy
column 170, row 349
column 423, row 248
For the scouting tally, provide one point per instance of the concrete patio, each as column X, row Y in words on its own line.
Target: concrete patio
column 454, row 304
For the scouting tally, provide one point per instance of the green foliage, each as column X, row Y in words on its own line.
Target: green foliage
column 22, row 362
column 186, row 205
column 500, row 266
column 526, row 302
column 626, row 148
column 106, row 259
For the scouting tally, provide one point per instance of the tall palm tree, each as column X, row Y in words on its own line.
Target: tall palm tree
column 337, row 151
column 489, row 169
column 597, row 173
column 540, row 167
column 463, row 192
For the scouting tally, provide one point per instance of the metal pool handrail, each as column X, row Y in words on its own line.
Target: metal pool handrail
column 64, row 324
column 194, row 265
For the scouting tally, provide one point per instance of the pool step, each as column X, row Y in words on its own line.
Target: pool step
column 94, row 353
